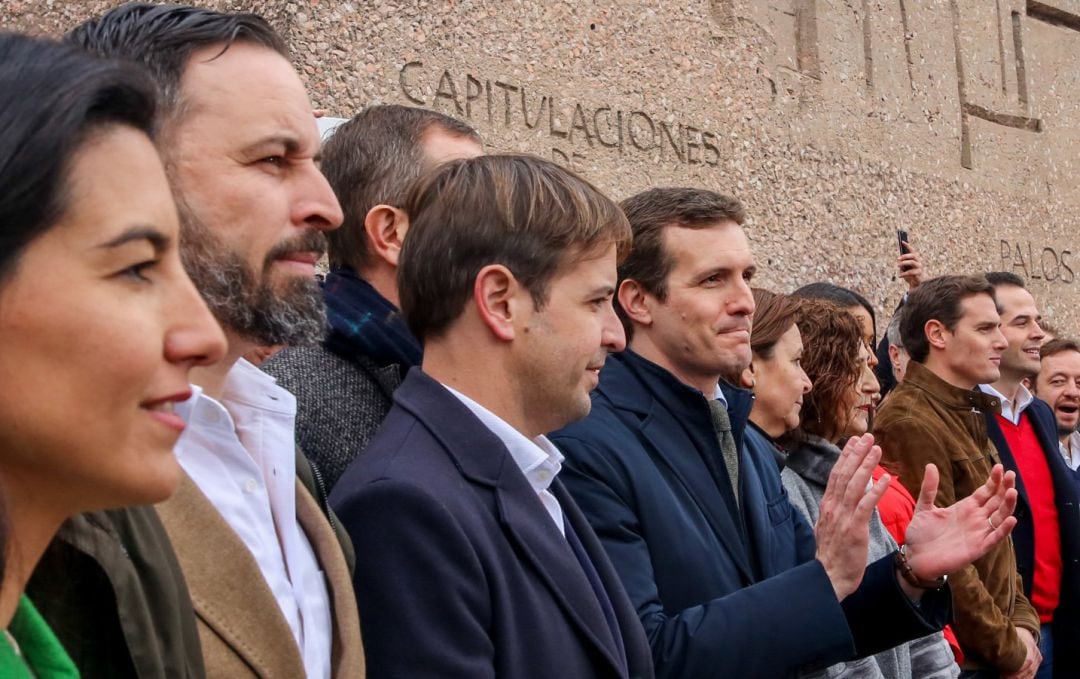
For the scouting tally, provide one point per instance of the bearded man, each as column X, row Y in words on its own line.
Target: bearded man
column 267, row 578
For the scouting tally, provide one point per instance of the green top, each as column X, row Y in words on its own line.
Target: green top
column 39, row 654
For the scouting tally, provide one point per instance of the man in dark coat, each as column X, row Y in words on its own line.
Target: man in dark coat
column 726, row 579
column 472, row 559
column 1058, row 384
column 345, row 385
column 1047, row 535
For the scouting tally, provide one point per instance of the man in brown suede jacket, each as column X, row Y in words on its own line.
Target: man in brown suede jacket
column 951, row 328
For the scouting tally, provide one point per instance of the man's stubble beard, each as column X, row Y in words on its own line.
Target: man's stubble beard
column 292, row 313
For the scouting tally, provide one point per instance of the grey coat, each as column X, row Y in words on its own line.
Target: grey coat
column 340, row 402
column 805, row 476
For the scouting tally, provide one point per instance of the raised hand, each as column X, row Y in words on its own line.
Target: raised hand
column 843, row 527
column 942, row 540
column 910, row 267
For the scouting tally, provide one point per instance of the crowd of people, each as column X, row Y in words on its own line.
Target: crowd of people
column 518, row 430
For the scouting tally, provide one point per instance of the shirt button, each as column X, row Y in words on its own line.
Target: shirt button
column 543, row 475
column 250, row 486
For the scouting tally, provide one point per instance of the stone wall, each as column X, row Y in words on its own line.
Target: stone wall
column 835, row 121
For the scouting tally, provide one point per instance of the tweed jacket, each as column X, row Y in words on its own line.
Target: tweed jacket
column 241, row 628
column 340, row 402
column 924, row 420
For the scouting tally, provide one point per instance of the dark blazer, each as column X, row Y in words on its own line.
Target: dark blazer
column 721, row 591
column 460, row 571
column 1067, row 615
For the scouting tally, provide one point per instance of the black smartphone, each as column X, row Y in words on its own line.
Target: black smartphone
column 901, row 238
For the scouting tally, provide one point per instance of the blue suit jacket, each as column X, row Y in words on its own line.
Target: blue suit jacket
column 1067, row 615
column 460, row 571
column 720, row 591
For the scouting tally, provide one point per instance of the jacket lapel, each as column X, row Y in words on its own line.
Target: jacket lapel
column 639, row 389
column 227, row 588
column 676, row 450
column 347, row 658
column 635, row 644
column 527, row 524
column 482, row 458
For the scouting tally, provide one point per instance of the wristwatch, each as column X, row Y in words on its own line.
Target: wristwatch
column 909, row 575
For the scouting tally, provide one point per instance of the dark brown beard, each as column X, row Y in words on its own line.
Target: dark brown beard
column 292, row 313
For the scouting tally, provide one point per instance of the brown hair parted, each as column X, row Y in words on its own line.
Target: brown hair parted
column 372, row 160
column 831, row 340
column 937, row 299
column 650, row 212
column 523, row 212
column 774, row 315
column 1057, row 346
column 162, row 37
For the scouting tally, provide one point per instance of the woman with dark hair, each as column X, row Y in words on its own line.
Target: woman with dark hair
column 99, row 324
column 775, row 373
column 840, row 405
column 852, row 302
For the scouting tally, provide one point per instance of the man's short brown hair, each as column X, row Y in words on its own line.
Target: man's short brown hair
column 652, row 211
column 939, row 299
column 523, row 212
column 372, row 160
column 1057, row 346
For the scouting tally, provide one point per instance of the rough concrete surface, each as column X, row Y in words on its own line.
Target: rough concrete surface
column 835, row 121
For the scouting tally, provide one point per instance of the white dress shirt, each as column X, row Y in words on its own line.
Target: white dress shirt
column 241, row 452
column 1070, row 450
column 538, row 459
column 1009, row 410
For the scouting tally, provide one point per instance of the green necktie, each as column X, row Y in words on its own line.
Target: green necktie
column 722, row 425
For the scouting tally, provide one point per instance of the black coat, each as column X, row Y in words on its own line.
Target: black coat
column 460, row 571
column 1067, row 615
column 721, row 592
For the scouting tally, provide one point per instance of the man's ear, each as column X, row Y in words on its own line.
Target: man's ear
column 748, row 377
column 385, row 226
column 634, row 301
column 936, row 333
column 496, row 294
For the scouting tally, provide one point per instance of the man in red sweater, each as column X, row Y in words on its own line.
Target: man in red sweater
column 1047, row 535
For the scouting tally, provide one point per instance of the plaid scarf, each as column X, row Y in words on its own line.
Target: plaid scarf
column 363, row 322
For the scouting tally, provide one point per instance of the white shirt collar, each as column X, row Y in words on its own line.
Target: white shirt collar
column 1009, row 410
column 538, row 459
column 529, row 454
column 1071, row 459
column 244, row 384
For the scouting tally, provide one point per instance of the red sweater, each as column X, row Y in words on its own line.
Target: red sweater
column 1035, row 472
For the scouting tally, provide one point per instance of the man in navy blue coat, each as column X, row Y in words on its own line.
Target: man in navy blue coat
column 472, row 558
column 727, row 579
column 1058, row 385
column 1047, row 534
